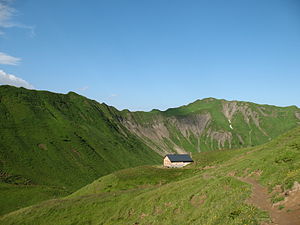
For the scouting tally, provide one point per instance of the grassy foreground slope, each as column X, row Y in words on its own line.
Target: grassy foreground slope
column 207, row 192
column 52, row 144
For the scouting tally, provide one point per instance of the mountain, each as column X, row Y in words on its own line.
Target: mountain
column 210, row 124
column 53, row 144
column 254, row 185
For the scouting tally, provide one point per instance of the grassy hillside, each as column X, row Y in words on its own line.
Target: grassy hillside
column 53, row 144
column 211, row 124
column 210, row 191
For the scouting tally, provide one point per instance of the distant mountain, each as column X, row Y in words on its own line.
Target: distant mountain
column 52, row 144
column 210, row 124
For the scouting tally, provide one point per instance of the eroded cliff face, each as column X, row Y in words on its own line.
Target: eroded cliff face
column 218, row 124
column 191, row 125
column 164, row 134
column 231, row 108
column 221, row 137
column 297, row 114
column 159, row 132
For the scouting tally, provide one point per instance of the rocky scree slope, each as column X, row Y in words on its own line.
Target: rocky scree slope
column 210, row 124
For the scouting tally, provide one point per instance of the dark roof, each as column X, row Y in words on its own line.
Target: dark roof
column 179, row 158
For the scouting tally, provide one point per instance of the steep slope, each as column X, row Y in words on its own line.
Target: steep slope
column 52, row 144
column 210, row 124
column 214, row 190
column 60, row 141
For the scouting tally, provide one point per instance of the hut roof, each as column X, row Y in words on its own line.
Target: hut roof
column 179, row 158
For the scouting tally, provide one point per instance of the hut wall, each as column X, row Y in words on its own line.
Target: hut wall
column 168, row 163
column 179, row 164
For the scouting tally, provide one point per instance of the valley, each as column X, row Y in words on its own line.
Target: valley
column 216, row 189
column 64, row 154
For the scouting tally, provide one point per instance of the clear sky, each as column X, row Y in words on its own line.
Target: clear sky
column 145, row 54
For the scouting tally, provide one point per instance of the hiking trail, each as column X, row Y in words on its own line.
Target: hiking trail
column 261, row 199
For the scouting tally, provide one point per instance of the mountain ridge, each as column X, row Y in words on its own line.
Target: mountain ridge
column 52, row 144
column 220, row 124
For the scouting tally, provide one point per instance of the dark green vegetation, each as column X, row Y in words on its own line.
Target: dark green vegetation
column 14, row 197
column 206, row 192
column 53, row 144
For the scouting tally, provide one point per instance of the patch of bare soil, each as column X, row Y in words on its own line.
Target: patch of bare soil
column 197, row 200
column 143, row 215
column 157, row 210
column 207, row 176
column 291, row 201
column 131, row 212
column 168, row 204
column 43, row 146
column 208, row 167
column 289, row 215
column 177, row 211
column 75, row 151
column 231, row 174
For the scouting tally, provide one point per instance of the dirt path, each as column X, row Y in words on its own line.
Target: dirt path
column 261, row 199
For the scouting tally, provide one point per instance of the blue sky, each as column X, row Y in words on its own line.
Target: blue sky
column 142, row 54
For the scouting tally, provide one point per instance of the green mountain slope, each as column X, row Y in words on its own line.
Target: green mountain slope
column 209, row 191
column 210, row 124
column 52, row 144
column 60, row 142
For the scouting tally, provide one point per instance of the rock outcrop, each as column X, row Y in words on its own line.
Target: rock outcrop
column 209, row 124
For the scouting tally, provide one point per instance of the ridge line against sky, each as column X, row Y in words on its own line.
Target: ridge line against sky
column 144, row 55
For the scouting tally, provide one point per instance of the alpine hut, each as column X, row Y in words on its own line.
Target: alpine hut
column 177, row 160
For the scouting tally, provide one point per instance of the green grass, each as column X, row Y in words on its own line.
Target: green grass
column 177, row 202
column 201, row 193
column 65, row 141
column 53, row 144
column 262, row 124
column 15, row 197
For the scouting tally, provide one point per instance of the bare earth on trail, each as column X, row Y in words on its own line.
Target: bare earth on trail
column 261, row 199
